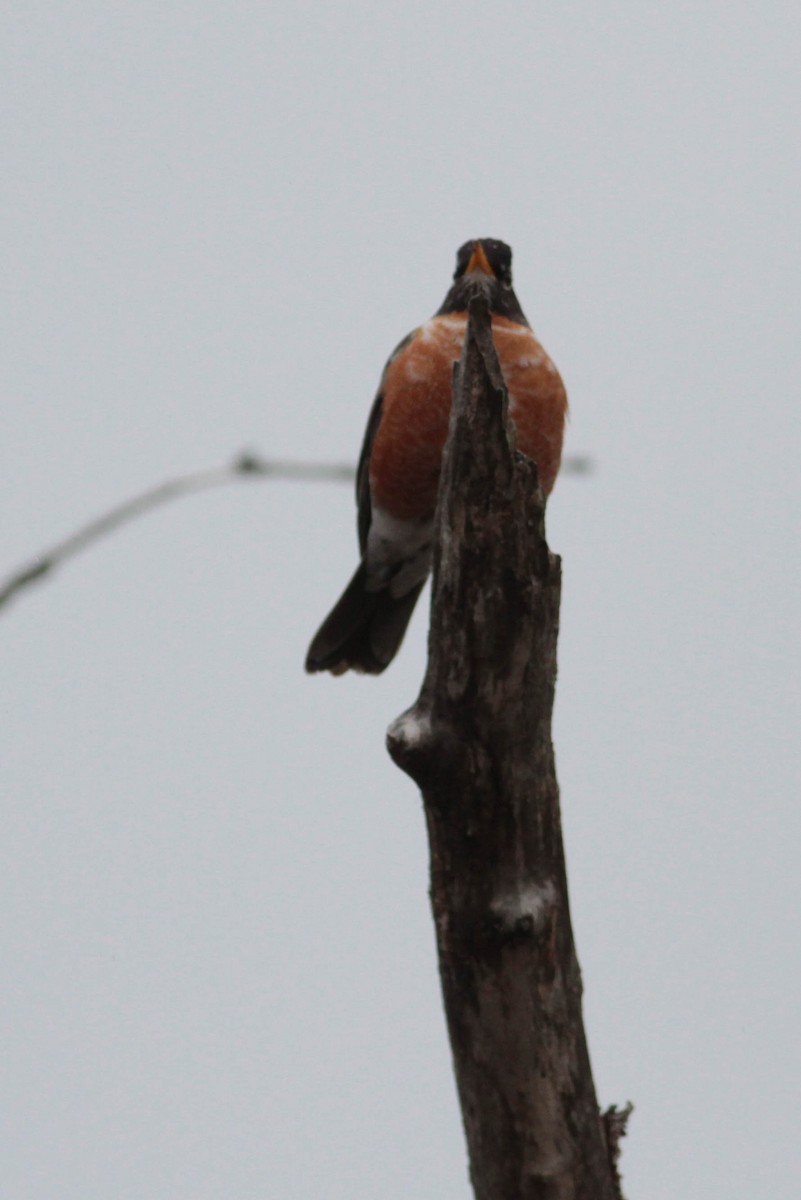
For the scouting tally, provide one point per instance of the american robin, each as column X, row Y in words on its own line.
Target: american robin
column 398, row 472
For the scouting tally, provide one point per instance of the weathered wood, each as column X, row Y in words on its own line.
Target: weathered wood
column 478, row 743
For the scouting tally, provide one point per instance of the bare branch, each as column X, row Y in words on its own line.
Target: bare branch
column 245, row 466
column 478, row 743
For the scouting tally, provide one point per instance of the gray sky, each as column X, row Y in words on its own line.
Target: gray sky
column 218, row 219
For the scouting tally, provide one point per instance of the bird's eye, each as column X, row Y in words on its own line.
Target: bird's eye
column 500, row 259
column 505, row 266
column 462, row 259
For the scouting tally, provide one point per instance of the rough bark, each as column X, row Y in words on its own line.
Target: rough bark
column 478, row 743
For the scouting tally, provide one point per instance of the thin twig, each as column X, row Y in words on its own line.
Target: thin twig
column 245, row 466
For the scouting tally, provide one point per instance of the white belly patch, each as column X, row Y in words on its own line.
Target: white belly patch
column 398, row 553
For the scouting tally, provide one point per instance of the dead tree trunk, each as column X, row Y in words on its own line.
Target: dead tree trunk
column 478, row 743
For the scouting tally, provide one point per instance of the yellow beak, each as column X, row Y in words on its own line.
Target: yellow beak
column 478, row 261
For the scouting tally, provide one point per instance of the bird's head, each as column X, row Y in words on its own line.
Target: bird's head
column 484, row 266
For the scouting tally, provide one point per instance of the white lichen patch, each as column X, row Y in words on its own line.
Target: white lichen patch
column 533, row 903
column 410, row 730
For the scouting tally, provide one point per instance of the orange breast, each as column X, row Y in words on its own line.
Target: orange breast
column 407, row 451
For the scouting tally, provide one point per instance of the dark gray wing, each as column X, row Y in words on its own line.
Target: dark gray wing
column 363, row 470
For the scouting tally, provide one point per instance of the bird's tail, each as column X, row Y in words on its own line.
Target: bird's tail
column 363, row 631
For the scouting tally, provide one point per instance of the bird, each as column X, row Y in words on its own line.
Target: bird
column 398, row 472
